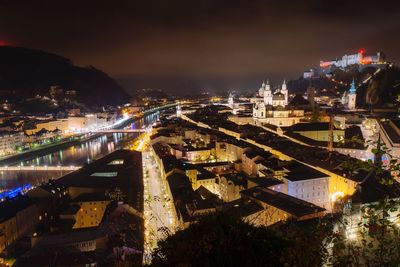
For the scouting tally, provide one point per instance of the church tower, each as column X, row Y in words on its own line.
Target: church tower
column 259, row 110
column 285, row 92
column 261, row 90
column 178, row 110
column 267, row 94
column 230, row 100
column 351, row 104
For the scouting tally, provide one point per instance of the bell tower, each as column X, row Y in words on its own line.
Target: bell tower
column 351, row 104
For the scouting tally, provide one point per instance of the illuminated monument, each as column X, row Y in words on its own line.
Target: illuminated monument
column 355, row 59
column 272, row 107
column 278, row 98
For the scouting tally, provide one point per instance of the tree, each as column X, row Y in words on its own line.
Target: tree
column 367, row 231
column 222, row 240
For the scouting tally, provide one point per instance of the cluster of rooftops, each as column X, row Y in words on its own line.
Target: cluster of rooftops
column 259, row 191
column 309, row 154
column 61, row 201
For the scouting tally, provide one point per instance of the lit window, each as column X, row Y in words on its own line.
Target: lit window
column 116, row 162
column 104, row 174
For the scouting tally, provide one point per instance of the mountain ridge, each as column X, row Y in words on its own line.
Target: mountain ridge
column 27, row 72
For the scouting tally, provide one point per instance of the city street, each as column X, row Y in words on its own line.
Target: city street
column 158, row 218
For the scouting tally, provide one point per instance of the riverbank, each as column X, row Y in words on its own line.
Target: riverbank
column 50, row 148
column 40, row 151
column 45, row 149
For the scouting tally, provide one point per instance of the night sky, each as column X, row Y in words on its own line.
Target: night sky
column 182, row 46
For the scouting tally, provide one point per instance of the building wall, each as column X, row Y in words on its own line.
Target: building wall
column 9, row 142
column 393, row 147
column 362, row 154
column 18, row 226
column 277, row 121
column 250, row 166
column 90, row 214
column 168, row 140
column 198, row 155
column 92, row 245
column 76, row 123
column 8, row 232
column 27, row 219
column 338, row 135
column 192, row 174
column 228, row 190
column 315, row 191
column 340, row 186
column 226, row 151
column 190, row 134
column 241, row 120
column 268, row 216
column 207, row 183
column 61, row 125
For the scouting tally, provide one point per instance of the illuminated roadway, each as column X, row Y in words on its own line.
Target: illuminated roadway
column 158, row 218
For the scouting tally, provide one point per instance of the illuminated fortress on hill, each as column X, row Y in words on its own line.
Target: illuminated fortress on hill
column 361, row 58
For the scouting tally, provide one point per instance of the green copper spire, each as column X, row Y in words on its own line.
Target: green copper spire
column 353, row 88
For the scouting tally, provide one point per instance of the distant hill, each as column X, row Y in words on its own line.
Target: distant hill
column 26, row 73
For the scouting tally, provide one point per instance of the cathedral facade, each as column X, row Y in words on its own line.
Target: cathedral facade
column 272, row 106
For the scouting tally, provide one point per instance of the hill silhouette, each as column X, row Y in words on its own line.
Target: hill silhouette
column 25, row 73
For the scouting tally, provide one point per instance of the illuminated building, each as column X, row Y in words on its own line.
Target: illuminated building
column 9, row 141
column 278, row 206
column 318, row 131
column 87, row 210
column 230, row 100
column 273, row 107
column 278, row 116
column 178, row 111
column 267, row 93
column 355, row 59
column 49, row 125
column 17, row 217
column 307, row 184
column 277, row 98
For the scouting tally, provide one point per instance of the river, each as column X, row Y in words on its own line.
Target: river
column 77, row 155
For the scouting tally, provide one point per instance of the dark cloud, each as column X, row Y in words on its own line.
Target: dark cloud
column 211, row 44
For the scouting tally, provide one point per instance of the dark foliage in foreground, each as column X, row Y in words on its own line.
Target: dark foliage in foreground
column 223, row 240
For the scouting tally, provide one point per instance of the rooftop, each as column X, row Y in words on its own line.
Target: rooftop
column 311, row 126
column 294, row 206
column 301, row 172
column 86, row 197
column 392, row 128
column 11, row 207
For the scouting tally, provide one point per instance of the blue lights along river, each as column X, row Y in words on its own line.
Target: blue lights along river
column 77, row 155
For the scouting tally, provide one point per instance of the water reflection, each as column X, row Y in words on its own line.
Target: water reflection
column 77, row 155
